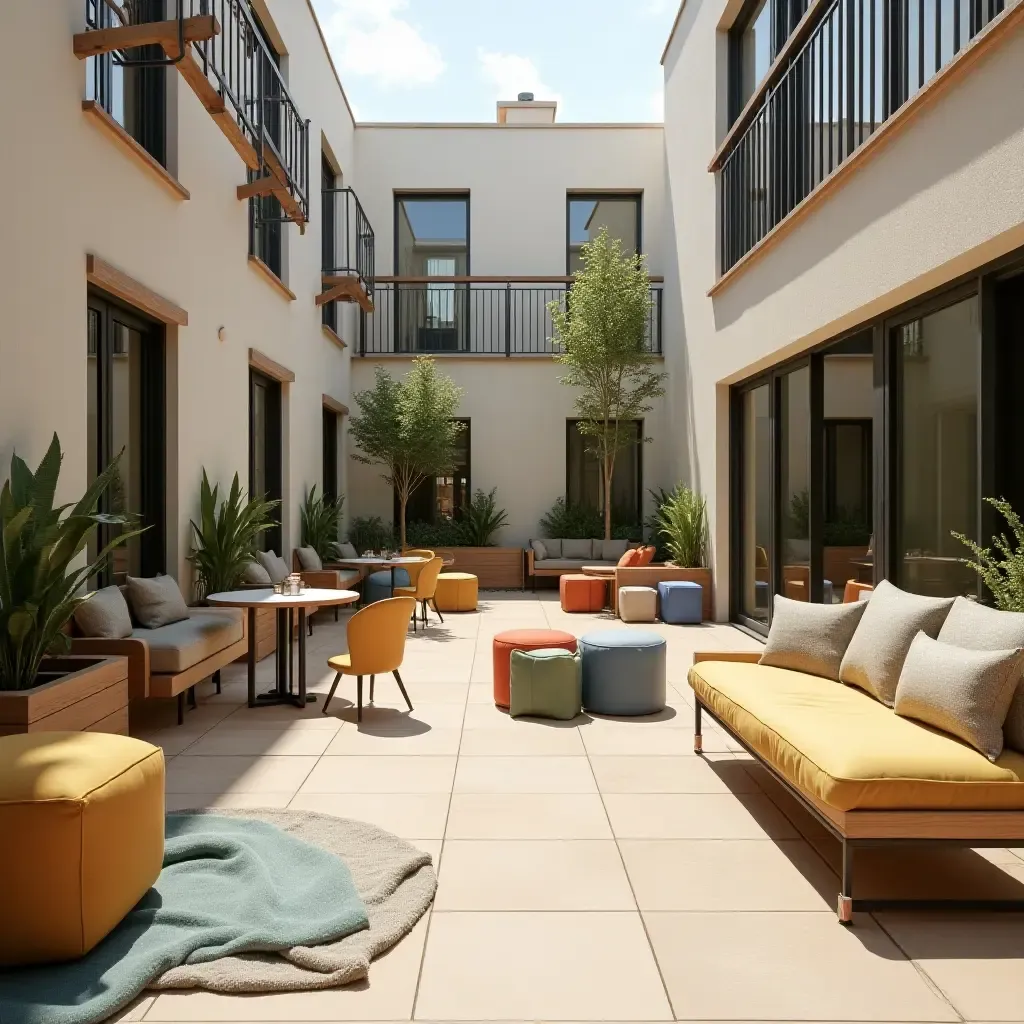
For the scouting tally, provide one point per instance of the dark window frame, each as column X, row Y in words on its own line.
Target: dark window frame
column 273, row 465
column 399, row 195
column 570, row 425
column 431, row 482
column 328, row 227
column 330, row 425
column 832, row 425
column 636, row 196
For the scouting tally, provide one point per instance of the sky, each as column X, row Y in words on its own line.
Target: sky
column 450, row 60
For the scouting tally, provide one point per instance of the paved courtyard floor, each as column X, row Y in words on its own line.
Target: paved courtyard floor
column 592, row 870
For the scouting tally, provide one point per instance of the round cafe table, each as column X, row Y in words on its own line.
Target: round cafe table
column 606, row 572
column 289, row 688
column 371, row 561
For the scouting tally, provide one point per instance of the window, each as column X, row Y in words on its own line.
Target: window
column 585, row 475
column 126, row 413
column 755, row 41
column 328, row 228
column 443, row 497
column 266, row 217
column 265, row 450
column 135, row 97
column 847, row 472
column 588, row 213
column 754, row 506
column 330, row 452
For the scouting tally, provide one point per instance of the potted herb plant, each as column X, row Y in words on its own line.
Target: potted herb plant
column 682, row 522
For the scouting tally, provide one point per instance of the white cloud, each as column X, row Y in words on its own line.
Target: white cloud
column 370, row 38
column 509, row 74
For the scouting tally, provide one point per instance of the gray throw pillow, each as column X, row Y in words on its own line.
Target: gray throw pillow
column 963, row 692
column 577, row 549
column 276, row 566
column 347, row 550
column 540, row 551
column 256, row 574
column 309, row 559
column 156, row 602
column 891, row 620
column 810, row 638
column 553, row 546
column 611, row 550
column 104, row 615
column 979, row 628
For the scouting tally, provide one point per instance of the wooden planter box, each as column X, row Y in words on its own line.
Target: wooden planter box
column 495, row 568
column 652, row 575
column 77, row 693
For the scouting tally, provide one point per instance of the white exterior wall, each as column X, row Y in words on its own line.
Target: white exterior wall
column 72, row 190
column 517, row 177
column 942, row 198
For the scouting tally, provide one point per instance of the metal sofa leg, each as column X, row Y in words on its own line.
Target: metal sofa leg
column 216, row 680
column 181, row 708
column 698, row 739
column 844, row 907
column 192, row 696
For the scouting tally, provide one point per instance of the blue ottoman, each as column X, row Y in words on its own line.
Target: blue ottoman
column 623, row 672
column 681, row 602
column 377, row 586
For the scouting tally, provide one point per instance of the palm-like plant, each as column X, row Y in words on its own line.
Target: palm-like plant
column 481, row 520
column 683, row 522
column 225, row 537
column 38, row 541
column 319, row 523
column 1001, row 571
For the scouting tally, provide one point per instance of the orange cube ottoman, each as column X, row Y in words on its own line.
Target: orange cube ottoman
column 522, row 640
column 580, row 593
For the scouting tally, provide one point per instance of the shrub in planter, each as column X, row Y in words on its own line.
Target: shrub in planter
column 319, row 521
column 481, row 520
column 444, row 533
column 370, row 533
column 683, row 522
column 566, row 519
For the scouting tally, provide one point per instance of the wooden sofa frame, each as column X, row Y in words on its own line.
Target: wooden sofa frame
column 861, row 829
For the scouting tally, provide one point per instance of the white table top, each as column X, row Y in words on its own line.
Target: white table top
column 311, row 597
column 399, row 560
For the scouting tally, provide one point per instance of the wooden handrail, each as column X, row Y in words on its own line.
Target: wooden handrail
column 477, row 279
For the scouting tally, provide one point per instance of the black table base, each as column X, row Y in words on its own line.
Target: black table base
column 289, row 685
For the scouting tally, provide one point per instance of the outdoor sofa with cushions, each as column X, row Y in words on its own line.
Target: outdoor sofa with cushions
column 306, row 562
column 554, row 557
column 870, row 775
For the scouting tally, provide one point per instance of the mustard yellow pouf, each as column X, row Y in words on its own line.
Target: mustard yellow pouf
column 456, row 592
column 82, row 827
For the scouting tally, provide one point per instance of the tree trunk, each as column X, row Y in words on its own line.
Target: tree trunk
column 609, row 468
column 403, row 500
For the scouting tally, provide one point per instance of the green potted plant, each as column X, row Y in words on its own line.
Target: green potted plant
column 41, row 685
column 319, row 518
column 682, row 522
column 481, row 520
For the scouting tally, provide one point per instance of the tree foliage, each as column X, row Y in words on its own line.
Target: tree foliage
column 1002, row 571
column 319, row 523
column 600, row 329
column 407, row 427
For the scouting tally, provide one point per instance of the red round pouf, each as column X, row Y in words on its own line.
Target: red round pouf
column 522, row 640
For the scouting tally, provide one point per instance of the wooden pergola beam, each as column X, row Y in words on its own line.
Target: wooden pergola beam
column 260, row 187
column 151, row 33
column 346, row 289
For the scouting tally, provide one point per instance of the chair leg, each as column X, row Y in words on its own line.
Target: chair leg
column 330, row 694
column 192, row 696
column 216, row 680
column 437, row 610
column 372, row 678
column 359, row 698
column 181, row 708
column 401, row 686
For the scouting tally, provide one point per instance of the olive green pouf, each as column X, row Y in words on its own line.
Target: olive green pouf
column 546, row 683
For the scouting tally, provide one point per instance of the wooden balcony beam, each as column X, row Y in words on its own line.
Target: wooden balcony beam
column 345, row 288
column 290, row 205
column 260, row 187
column 151, row 33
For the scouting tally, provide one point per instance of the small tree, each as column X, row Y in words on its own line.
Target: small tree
column 407, row 427
column 601, row 328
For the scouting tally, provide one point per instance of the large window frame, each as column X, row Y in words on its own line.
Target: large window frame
column 328, row 232
column 571, row 425
column 271, row 454
column 635, row 196
column 426, row 491
column 330, row 427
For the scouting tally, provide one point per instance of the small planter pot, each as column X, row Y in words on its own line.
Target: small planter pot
column 75, row 693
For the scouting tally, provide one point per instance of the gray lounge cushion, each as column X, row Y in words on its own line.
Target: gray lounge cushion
column 963, row 692
column 199, row 636
column 577, row 548
column 568, row 563
column 156, row 602
column 347, row 550
column 309, row 559
column 347, row 578
column 540, row 550
column 104, row 614
column 275, row 565
column 891, row 620
column 979, row 628
column 611, row 550
column 256, row 574
column 809, row 637
column 553, row 546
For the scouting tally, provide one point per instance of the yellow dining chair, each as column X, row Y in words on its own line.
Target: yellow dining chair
column 376, row 644
column 415, row 568
column 424, row 588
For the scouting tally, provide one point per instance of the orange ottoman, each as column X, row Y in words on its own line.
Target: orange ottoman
column 522, row 640
column 582, row 593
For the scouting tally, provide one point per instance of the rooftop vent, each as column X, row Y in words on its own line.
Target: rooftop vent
column 525, row 97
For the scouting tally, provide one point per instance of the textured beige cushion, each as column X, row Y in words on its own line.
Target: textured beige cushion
column 577, row 549
column 809, row 637
column 156, row 602
column 978, row 628
column 638, row 604
column 309, row 559
column 891, row 620
column 540, row 550
column 104, row 614
column 202, row 634
column 347, row 578
column 276, row 567
column 610, row 550
column 255, row 573
column 347, row 550
column 965, row 693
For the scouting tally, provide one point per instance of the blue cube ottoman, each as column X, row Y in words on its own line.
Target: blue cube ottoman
column 681, row 602
column 623, row 672
column 377, row 586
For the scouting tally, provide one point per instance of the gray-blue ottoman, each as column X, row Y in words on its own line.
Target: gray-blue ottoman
column 680, row 602
column 623, row 672
column 377, row 586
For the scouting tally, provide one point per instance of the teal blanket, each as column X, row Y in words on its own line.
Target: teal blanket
column 228, row 885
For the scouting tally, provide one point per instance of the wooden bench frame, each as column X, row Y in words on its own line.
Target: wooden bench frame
column 861, row 829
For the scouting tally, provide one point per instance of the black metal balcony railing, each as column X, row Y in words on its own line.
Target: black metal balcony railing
column 481, row 317
column 348, row 239
column 853, row 66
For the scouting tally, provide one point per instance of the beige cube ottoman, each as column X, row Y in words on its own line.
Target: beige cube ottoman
column 638, row 604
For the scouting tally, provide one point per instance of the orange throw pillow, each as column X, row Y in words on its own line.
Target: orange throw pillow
column 629, row 558
column 646, row 556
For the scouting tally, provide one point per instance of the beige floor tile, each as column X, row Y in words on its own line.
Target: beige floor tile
column 353, row 740
column 409, row 815
column 696, row 816
column 716, row 773
column 524, row 775
column 787, row 967
column 637, row 742
column 255, row 742
column 975, row 959
column 277, row 717
column 171, row 741
column 448, row 688
column 541, row 966
column 248, row 774
column 388, row 994
column 135, row 1011
column 196, row 801
column 384, row 716
column 358, row 774
column 528, row 739
column 527, row 816
column 552, row 874
column 726, row 874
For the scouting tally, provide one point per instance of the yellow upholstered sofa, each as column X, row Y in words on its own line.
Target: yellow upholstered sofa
column 868, row 775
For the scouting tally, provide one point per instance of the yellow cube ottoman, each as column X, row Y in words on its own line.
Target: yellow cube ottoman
column 456, row 592
column 82, row 821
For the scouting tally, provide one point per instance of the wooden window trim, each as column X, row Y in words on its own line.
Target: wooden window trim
column 332, row 335
column 334, row 405
column 138, row 154
column 103, row 275
column 271, row 278
column 270, row 367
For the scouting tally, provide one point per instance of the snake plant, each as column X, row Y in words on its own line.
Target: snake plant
column 319, row 523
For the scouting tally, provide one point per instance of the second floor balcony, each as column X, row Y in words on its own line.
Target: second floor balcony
column 485, row 316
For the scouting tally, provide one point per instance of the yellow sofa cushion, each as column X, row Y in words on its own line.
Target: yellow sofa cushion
column 82, row 827
column 843, row 747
